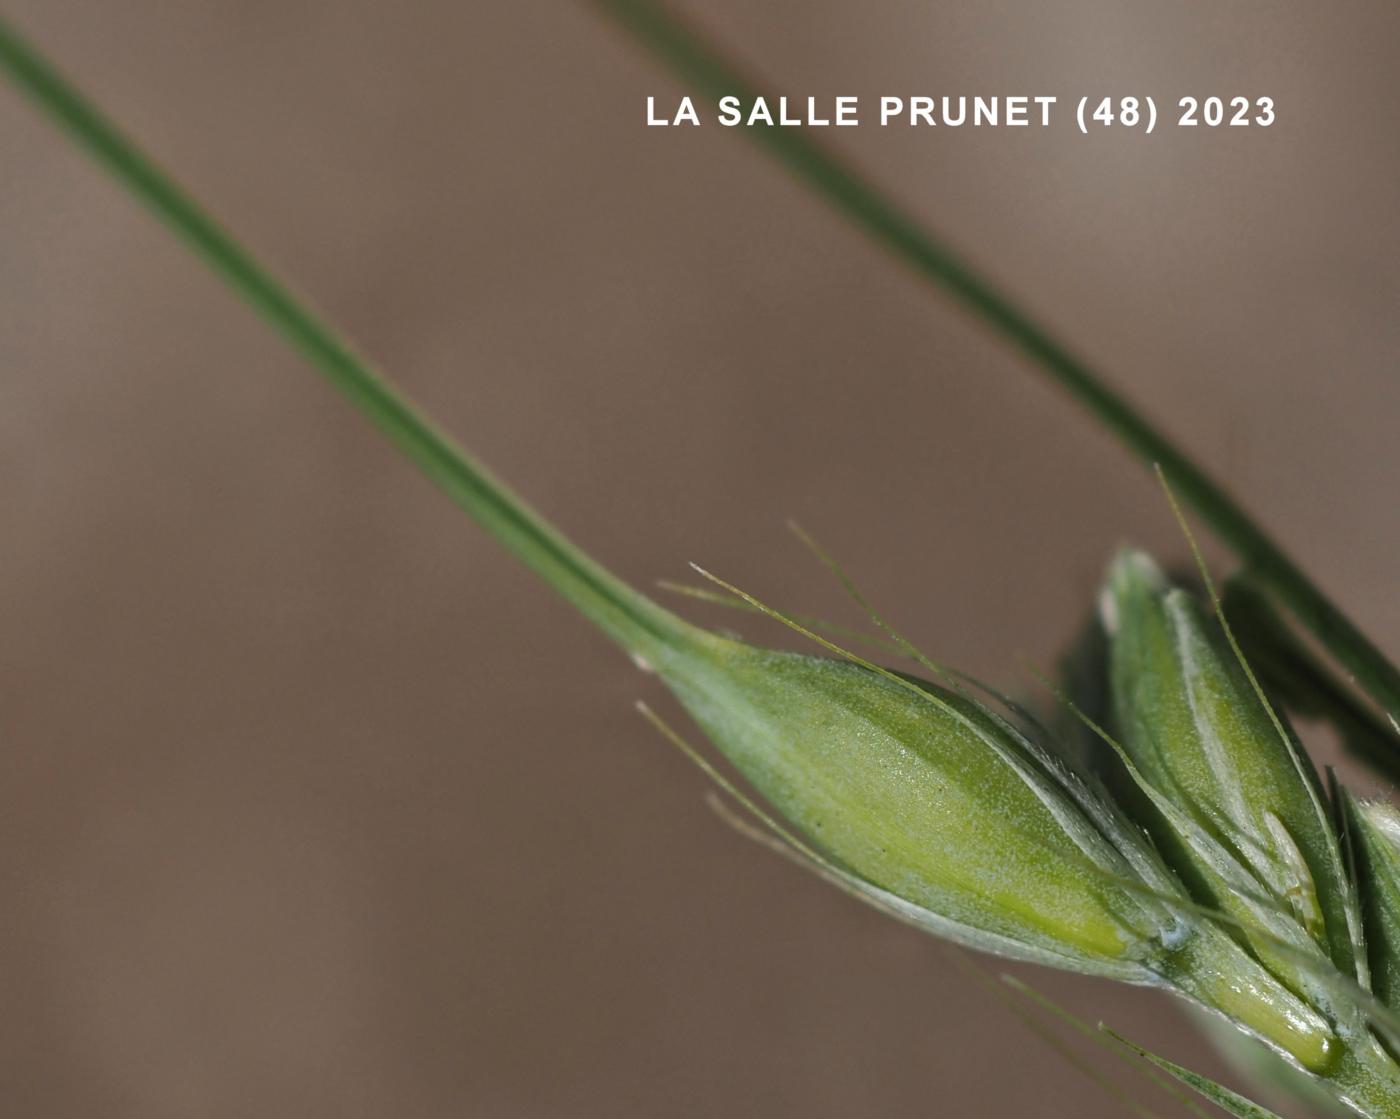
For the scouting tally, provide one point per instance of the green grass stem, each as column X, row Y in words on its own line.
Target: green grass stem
column 626, row 615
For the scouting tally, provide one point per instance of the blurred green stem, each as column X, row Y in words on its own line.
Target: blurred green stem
column 703, row 66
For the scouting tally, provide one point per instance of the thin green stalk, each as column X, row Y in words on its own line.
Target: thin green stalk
column 701, row 64
column 628, row 617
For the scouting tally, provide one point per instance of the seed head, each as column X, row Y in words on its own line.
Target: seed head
column 931, row 803
column 1231, row 799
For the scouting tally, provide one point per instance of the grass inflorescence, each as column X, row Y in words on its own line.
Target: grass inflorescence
column 1197, row 850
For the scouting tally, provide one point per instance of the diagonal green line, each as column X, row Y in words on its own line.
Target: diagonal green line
column 624, row 614
column 701, row 64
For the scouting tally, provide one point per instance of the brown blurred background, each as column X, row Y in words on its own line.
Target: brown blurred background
column 314, row 804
